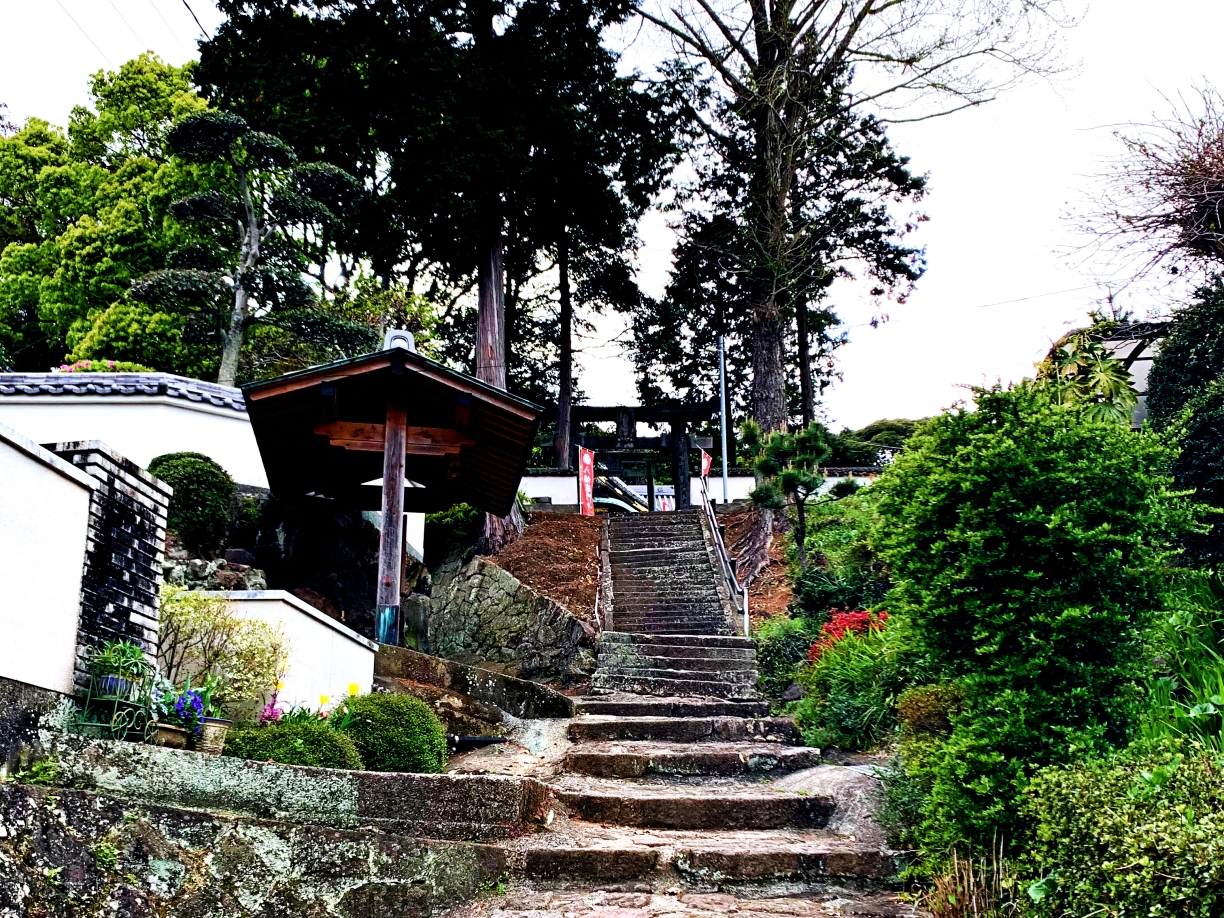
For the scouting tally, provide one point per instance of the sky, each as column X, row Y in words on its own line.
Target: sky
column 1003, row 178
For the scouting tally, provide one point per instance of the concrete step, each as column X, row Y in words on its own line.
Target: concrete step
column 679, row 640
column 683, row 651
column 594, row 728
column 646, row 706
column 638, row 759
column 695, row 810
column 608, row 683
column 634, row 661
column 814, row 858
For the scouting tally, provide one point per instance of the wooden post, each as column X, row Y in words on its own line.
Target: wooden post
column 390, row 545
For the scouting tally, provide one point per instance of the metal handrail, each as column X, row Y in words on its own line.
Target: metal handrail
column 739, row 594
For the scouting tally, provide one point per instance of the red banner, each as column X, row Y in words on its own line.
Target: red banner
column 586, row 481
column 706, row 462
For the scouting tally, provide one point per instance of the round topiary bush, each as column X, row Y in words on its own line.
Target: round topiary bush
column 300, row 743
column 396, row 733
column 203, row 498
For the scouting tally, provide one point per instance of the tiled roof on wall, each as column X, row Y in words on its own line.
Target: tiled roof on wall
column 122, row 384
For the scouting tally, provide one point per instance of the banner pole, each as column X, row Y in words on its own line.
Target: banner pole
column 722, row 408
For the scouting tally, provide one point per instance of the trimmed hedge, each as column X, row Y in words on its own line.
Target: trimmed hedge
column 203, row 498
column 1142, row 837
column 301, row 743
column 396, row 733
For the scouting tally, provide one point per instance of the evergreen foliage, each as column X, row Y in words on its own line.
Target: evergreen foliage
column 302, row 742
column 1025, row 541
column 396, row 733
column 202, row 501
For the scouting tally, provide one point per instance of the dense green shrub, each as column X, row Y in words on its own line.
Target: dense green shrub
column 299, row 743
column 453, row 530
column 1130, row 838
column 852, row 687
column 396, row 733
column 782, row 644
column 1190, row 359
column 845, row 573
column 202, row 501
column 1025, row 543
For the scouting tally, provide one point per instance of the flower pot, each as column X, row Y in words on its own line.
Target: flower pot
column 212, row 735
column 172, row 736
column 114, row 687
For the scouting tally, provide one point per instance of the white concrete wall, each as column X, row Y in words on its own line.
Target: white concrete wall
column 325, row 656
column 44, row 517
column 141, row 428
column 563, row 489
column 738, row 487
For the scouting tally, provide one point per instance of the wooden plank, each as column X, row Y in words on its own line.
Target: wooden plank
column 419, row 441
column 313, row 379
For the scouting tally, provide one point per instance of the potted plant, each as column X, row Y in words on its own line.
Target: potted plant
column 178, row 716
column 213, row 726
column 117, row 667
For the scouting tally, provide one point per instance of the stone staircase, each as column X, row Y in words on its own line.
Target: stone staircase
column 672, row 634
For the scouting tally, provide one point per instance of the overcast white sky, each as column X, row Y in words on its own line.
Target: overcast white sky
column 1002, row 178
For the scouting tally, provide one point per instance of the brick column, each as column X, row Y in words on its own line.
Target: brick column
column 124, row 549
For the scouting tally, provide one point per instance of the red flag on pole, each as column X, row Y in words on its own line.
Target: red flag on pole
column 586, row 481
column 706, row 462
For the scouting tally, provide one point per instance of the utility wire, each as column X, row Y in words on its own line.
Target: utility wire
column 139, row 40
column 86, row 34
column 203, row 31
column 173, row 33
column 1022, row 299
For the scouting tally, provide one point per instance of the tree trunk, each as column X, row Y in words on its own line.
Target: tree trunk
column 566, row 389
column 768, row 366
column 807, row 397
column 800, row 531
column 232, row 342
column 491, row 316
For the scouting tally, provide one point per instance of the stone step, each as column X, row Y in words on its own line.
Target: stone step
column 637, row 759
column 609, row 683
column 681, row 599
column 692, row 809
column 643, row 609
column 665, row 551
column 815, row 858
column 682, row 651
column 649, row 623
column 594, row 728
column 648, row 567
column 695, row 542
column 680, row 640
column 634, row 661
column 646, row 706
column 729, row 676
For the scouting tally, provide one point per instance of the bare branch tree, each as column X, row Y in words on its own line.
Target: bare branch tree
column 1160, row 206
column 775, row 60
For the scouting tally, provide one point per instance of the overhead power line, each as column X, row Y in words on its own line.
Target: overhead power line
column 203, row 31
column 86, row 34
column 173, row 33
column 139, row 40
column 1022, row 299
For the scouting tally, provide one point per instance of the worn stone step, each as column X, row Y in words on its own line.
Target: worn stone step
column 591, row 728
column 667, row 551
column 679, row 599
column 664, row 624
column 647, row 568
column 640, row 610
column 815, row 858
column 647, row 706
column 736, row 676
column 634, row 661
column 685, row 640
column 694, row 810
column 685, row 651
column 638, row 759
column 641, row 685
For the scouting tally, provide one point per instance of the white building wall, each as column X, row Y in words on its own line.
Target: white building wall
column 44, row 517
column 325, row 656
column 561, row 489
column 738, row 487
column 141, row 428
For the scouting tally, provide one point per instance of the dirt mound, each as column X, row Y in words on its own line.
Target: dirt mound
column 770, row 591
column 558, row 557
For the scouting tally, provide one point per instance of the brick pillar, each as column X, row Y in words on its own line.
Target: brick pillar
column 123, row 551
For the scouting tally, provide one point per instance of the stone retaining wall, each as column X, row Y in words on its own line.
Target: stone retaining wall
column 71, row 852
column 479, row 613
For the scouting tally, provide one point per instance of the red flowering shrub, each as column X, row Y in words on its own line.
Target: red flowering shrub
column 842, row 622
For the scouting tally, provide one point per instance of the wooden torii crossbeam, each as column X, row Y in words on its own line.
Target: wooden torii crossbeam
column 344, row 430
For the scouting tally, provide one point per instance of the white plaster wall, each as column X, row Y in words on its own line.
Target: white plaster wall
column 44, row 515
column 738, row 487
column 325, row 656
column 563, row 489
column 142, row 428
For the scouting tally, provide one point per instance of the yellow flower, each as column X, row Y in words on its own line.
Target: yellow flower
column 280, row 686
column 324, row 699
column 354, row 689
